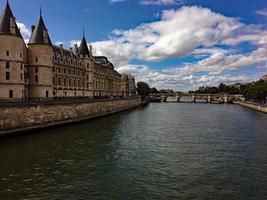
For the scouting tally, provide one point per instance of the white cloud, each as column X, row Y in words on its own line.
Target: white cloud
column 190, row 31
column 160, row 2
column 176, row 34
column 116, row 1
column 26, row 33
column 262, row 12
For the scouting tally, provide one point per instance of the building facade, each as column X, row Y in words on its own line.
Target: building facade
column 42, row 70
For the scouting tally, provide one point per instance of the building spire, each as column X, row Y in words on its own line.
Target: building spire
column 40, row 33
column 8, row 24
column 40, row 9
column 83, row 30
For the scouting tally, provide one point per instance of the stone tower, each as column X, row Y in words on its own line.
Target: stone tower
column 40, row 59
column 13, row 55
column 86, row 55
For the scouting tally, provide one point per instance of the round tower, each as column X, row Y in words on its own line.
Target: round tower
column 13, row 56
column 40, row 62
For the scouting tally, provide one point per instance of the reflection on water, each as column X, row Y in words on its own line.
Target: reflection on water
column 163, row 151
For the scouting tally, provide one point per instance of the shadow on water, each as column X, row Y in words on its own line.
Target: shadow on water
column 161, row 151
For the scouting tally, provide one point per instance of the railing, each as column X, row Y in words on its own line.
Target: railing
column 59, row 101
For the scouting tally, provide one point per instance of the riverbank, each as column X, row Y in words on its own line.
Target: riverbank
column 17, row 119
column 256, row 107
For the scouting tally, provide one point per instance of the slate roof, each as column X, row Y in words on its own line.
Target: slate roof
column 5, row 22
column 83, row 48
column 37, row 36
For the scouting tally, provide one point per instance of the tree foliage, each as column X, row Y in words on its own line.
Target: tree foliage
column 256, row 91
column 142, row 88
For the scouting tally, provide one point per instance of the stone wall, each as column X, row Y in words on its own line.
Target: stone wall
column 14, row 119
column 256, row 107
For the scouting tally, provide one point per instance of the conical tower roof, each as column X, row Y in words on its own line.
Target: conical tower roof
column 5, row 22
column 83, row 48
column 37, row 36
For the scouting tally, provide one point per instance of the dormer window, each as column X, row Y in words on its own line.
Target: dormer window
column 45, row 35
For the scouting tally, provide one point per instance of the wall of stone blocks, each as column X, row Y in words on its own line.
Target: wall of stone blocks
column 19, row 118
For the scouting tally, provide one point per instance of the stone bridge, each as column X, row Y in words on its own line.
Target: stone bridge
column 224, row 98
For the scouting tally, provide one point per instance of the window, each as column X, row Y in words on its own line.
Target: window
column 59, row 81
column 36, row 69
column 21, row 76
column 59, row 70
column 64, row 70
column 65, row 93
column 20, row 55
column 36, row 59
column 7, row 53
column 7, row 75
column 10, row 93
column 36, row 79
column 21, row 66
column 87, row 78
column 7, row 65
column 87, row 65
column 46, row 94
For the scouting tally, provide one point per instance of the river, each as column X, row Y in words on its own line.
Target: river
column 162, row 151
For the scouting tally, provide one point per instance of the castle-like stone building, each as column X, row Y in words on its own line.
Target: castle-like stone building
column 42, row 70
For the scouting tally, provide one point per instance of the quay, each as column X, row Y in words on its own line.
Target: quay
column 18, row 117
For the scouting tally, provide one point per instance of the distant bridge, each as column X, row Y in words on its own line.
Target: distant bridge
column 223, row 98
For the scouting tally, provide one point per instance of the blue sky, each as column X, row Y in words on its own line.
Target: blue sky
column 178, row 44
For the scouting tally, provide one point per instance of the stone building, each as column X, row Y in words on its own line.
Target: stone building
column 264, row 78
column 42, row 70
column 129, row 84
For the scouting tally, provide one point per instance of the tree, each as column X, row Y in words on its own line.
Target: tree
column 153, row 90
column 142, row 89
column 256, row 91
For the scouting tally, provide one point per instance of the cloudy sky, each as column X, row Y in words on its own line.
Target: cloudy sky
column 177, row 44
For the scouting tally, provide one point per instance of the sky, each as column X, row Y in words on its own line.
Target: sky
column 174, row 44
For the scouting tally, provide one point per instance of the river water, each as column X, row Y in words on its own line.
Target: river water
column 162, row 151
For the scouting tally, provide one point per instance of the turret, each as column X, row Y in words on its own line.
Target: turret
column 84, row 53
column 40, row 58
column 13, row 56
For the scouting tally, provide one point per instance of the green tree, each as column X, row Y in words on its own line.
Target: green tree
column 153, row 90
column 142, row 88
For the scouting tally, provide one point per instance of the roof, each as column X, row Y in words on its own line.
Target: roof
column 5, row 22
column 37, row 36
column 83, row 48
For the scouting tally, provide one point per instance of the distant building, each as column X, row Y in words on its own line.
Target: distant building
column 264, row 77
column 42, row 70
column 130, row 86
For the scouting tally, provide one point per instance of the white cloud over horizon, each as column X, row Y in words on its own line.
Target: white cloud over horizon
column 188, row 31
column 210, row 39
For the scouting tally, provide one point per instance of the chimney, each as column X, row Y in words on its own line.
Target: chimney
column 33, row 27
column 61, row 46
column 75, row 50
column 91, row 49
